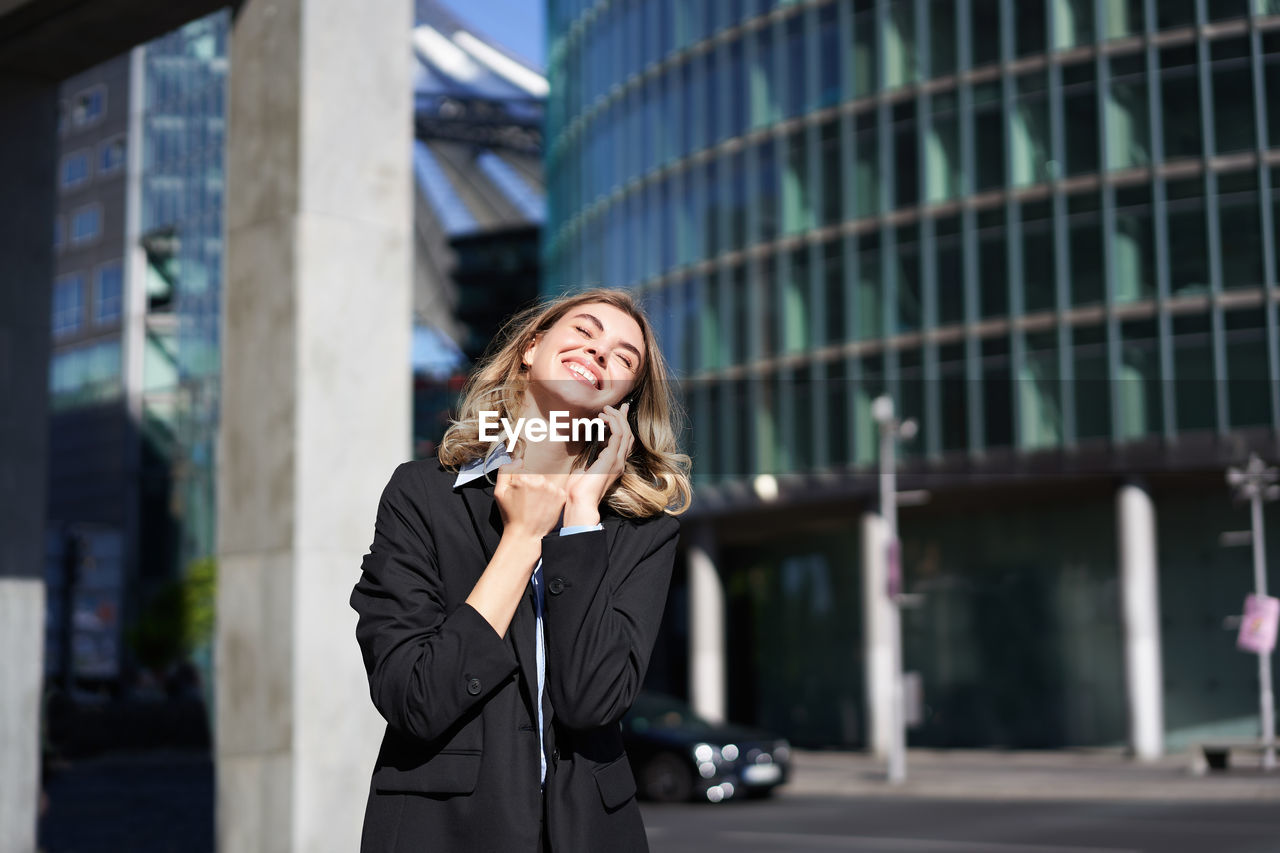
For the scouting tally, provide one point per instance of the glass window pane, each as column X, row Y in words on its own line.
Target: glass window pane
column 1248, row 388
column 906, row 169
column 1038, row 262
column 1073, row 23
column 869, row 315
column 910, row 308
column 869, row 386
column 865, row 62
column 1084, row 239
column 833, row 290
column 798, row 212
column 795, row 67
column 837, row 389
column 1133, row 255
column 1122, row 18
column 1038, row 392
column 795, row 306
column 1030, row 153
column 1240, row 228
column 1180, row 104
column 997, row 393
column 711, row 209
column 868, row 166
column 985, row 19
column 942, row 37
column 1092, row 385
column 899, row 45
column 1233, row 126
column 1188, row 238
column 950, row 281
column 1193, row 371
column 993, row 264
column 828, row 57
column 832, row 182
column 764, row 98
column 767, row 176
column 942, row 153
column 1080, row 116
column 1221, row 10
column 1029, row 27
column 988, row 128
column 742, row 316
column 955, row 398
column 769, row 312
column 737, row 93
column 1127, row 125
column 1138, row 385
column 737, row 191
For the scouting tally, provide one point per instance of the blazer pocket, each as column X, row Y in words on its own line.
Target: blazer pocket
column 452, row 772
column 616, row 782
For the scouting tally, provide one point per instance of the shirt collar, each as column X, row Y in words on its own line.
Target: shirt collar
column 477, row 468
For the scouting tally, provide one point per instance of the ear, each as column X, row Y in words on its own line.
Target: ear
column 527, row 358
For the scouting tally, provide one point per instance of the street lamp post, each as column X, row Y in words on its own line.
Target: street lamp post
column 1256, row 482
column 891, row 429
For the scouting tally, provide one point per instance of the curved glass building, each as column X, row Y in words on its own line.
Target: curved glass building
column 1047, row 229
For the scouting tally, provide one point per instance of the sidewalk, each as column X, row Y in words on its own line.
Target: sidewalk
column 999, row 775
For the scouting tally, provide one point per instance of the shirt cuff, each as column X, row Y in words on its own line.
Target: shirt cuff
column 579, row 528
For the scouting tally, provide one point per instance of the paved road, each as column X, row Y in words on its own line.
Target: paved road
column 951, row 825
column 953, row 803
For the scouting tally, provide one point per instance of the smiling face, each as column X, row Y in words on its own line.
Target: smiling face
column 590, row 358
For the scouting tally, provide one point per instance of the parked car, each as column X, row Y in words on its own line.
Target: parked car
column 676, row 755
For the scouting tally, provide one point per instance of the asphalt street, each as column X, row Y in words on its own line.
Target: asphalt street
column 955, row 803
column 919, row 825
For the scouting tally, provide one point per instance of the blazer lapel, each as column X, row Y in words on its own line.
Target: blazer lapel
column 486, row 517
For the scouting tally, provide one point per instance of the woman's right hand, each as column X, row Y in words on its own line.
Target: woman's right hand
column 530, row 503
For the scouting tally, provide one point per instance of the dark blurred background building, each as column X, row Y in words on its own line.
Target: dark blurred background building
column 1047, row 228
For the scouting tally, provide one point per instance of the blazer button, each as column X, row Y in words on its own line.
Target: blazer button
column 556, row 586
column 473, row 687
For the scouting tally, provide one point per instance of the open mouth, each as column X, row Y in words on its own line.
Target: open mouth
column 583, row 374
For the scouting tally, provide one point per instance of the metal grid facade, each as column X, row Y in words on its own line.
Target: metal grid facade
column 1039, row 224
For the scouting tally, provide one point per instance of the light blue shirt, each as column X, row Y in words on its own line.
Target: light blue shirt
column 479, row 468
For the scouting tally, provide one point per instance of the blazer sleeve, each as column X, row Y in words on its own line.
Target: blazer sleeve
column 427, row 667
column 603, row 613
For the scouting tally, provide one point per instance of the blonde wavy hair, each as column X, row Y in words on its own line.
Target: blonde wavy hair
column 656, row 477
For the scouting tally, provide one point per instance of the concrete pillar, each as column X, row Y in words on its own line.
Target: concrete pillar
column 26, row 274
column 1140, row 600
column 879, row 621
column 315, row 405
column 707, row 678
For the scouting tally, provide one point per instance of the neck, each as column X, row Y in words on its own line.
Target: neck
column 546, row 457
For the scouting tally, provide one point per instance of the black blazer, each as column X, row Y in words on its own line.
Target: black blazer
column 459, row 766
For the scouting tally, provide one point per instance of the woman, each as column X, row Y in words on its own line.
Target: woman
column 506, row 626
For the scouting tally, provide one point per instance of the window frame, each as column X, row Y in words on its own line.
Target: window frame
column 96, row 235
column 67, row 186
column 98, row 319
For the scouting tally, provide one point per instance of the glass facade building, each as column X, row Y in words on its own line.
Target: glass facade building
column 184, row 84
column 1047, row 228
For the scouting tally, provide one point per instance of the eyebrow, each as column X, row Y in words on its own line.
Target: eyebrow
column 600, row 327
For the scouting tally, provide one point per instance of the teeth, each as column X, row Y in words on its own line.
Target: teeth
column 581, row 371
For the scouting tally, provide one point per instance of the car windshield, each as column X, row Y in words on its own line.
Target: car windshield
column 653, row 711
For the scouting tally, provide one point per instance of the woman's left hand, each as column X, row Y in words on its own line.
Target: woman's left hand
column 586, row 487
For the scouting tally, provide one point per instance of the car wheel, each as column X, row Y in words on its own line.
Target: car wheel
column 667, row 779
